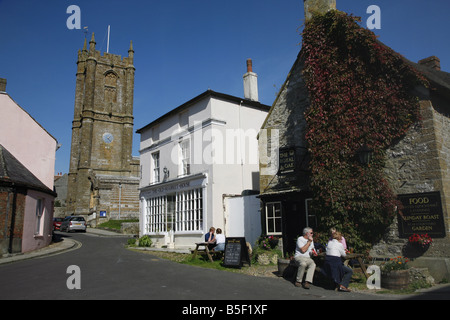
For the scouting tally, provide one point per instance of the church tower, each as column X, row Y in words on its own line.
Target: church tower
column 103, row 176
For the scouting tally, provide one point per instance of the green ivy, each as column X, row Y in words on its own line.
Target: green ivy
column 360, row 93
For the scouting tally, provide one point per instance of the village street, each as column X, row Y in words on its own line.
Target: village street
column 109, row 271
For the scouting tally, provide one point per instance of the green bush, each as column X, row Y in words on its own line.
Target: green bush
column 145, row 241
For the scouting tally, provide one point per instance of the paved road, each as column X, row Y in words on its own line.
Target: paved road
column 110, row 271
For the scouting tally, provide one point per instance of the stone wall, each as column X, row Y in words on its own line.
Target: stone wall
column 119, row 197
column 285, row 126
column 417, row 164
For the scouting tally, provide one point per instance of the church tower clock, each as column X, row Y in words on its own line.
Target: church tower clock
column 103, row 176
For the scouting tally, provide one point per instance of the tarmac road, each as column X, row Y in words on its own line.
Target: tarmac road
column 109, row 271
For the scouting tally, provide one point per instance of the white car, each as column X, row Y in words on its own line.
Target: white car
column 74, row 223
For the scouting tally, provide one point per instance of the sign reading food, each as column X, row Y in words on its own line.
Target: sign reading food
column 421, row 213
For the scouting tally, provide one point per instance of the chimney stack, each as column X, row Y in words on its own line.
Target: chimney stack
column 432, row 62
column 318, row 6
column 2, row 85
column 250, row 83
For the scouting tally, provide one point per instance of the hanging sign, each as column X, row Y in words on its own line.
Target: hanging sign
column 287, row 160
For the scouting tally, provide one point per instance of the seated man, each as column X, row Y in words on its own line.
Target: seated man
column 303, row 251
column 210, row 238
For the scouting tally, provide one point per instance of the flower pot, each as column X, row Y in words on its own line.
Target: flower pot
column 282, row 266
column 414, row 250
column 395, row 280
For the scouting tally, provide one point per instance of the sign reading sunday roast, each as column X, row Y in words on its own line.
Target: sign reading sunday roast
column 421, row 213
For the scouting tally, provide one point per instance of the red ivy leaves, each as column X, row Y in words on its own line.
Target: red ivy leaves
column 360, row 92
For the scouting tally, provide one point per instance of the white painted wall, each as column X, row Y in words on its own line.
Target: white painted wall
column 243, row 217
column 216, row 128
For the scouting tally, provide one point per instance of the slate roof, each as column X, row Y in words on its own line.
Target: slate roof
column 439, row 80
column 14, row 173
column 208, row 93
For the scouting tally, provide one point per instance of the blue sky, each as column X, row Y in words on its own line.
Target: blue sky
column 182, row 48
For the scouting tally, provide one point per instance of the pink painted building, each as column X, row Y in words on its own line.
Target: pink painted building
column 27, row 165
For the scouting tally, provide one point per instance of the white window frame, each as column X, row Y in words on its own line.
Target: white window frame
column 39, row 216
column 185, row 158
column 156, row 176
column 155, row 211
column 188, row 217
column 272, row 221
column 189, row 210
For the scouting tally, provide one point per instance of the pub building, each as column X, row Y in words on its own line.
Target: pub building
column 415, row 167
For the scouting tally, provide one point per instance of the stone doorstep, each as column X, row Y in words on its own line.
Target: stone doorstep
column 420, row 273
column 438, row 268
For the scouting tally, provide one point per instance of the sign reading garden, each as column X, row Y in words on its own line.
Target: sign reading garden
column 421, row 213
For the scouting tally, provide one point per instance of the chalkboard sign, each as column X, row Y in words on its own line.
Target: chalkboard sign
column 235, row 252
column 421, row 213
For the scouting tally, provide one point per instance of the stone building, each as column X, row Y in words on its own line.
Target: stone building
column 103, row 175
column 61, row 189
column 416, row 166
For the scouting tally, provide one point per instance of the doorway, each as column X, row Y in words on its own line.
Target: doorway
column 294, row 221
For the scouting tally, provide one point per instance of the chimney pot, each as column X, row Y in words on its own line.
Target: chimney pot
column 249, row 65
column 432, row 62
column 250, row 83
column 2, row 84
column 318, row 6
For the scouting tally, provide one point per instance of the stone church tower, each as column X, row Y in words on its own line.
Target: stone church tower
column 103, row 176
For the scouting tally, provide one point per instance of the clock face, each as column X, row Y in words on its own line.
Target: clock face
column 108, row 137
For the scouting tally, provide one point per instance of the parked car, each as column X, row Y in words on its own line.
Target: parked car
column 57, row 223
column 73, row 223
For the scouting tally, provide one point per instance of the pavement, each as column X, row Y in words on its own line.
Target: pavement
column 65, row 244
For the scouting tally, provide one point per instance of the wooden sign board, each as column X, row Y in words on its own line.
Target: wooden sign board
column 287, row 160
column 421, row 213
column 236, row 252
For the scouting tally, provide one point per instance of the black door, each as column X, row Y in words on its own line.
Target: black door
column 294, row 221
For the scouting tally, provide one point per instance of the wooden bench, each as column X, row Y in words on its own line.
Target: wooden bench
column 205, row 251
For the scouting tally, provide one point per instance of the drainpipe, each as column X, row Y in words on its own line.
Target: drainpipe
column 120, row 197
column 13, row 221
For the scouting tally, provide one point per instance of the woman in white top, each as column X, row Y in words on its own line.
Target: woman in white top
column 220, row 241
column 332, row 232
column 334, row 267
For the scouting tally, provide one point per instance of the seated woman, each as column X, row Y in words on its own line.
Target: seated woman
column 333, row 267
column 220, row 241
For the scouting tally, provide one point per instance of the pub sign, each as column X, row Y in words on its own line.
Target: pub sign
column 286, row 160
column 421, row 213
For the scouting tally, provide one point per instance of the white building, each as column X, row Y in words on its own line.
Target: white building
column 195, row 158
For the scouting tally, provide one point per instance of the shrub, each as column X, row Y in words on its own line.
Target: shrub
column 145, row 241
